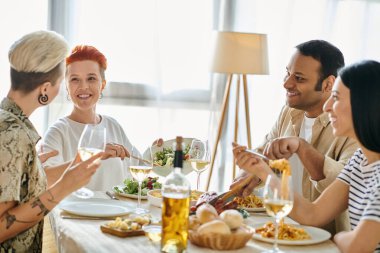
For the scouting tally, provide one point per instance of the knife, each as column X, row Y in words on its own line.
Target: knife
column 112, row 196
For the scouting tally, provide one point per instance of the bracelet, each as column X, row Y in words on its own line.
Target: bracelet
column 52, row 197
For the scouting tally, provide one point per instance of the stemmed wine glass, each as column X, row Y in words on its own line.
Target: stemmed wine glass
column 278, row 201
column 140, row 168
column 199, row 157
column 91, row 142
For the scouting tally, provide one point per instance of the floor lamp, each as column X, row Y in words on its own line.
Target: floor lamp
column 237, row 54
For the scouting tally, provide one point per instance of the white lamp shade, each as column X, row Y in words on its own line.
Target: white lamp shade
column 240, row 53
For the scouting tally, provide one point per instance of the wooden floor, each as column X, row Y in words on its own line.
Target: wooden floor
column 48, row 242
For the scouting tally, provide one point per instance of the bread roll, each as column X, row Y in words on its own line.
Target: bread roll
column 215, row 226
column 194, row 222
column 206, row 213
column 232, row 218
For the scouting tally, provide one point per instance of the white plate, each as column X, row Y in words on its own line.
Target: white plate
column 255, row 209
column 96, row 207
column 318, row 235
column 127, row 195
column 167, row 168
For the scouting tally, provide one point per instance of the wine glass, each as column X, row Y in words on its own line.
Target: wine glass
column 91, row 142
column 199, row 157
column 140, row 168
column 278, row 201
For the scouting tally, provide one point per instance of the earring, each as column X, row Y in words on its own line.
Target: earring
column 43, row 99
column 68, row 97
column 101, row 95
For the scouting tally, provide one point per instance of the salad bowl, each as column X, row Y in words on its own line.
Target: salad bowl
column 163, row 157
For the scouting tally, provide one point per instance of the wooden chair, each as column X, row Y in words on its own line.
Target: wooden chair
column 48, row 239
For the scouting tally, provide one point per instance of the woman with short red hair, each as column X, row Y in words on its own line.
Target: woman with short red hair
column 85, row 81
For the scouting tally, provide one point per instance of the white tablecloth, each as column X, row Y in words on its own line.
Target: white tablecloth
column 77, row 236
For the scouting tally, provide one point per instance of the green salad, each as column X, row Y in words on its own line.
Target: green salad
column 131, row 186
column 166, row 156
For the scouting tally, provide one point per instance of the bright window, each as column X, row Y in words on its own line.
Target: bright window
column 153, row 42
column 17, row 18
column 158, row 64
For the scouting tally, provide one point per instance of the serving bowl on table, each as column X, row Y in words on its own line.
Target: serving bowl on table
column 155, row 197
column 165, row 169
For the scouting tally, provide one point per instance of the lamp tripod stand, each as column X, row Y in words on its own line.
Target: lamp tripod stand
column 237, row 54
column 226, row 100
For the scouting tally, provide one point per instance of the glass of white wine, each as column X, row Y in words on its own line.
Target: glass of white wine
column 140, row 168
column 278, row 201
column 91, row 142
column 199, row 157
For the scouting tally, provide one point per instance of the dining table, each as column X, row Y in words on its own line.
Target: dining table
column 76, row 234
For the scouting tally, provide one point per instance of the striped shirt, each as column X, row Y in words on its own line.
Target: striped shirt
column 364, row 194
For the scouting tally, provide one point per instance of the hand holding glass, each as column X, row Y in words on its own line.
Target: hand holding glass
column 199, row 157
column 140, row 168
column 278, row 201
column 91, row 142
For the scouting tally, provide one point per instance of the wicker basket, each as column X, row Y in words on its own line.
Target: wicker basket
column 221, row 241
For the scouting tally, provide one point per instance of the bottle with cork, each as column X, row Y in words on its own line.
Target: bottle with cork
column 175, row 208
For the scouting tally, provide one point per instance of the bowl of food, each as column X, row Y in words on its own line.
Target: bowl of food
column 155, row 197
column 163, row 157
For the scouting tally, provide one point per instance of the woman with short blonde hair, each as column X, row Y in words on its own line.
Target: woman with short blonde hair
column 37, row 70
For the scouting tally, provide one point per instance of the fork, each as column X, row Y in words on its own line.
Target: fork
column 258, row 154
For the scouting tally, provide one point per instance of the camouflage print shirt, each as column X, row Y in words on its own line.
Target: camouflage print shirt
column 21, row 175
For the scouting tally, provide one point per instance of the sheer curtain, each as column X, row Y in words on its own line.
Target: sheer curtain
column 157, row 50
column 350, row 25
column 17, row 18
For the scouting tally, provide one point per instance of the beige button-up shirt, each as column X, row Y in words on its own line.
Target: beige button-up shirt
column 21, row 174
column 337, row 151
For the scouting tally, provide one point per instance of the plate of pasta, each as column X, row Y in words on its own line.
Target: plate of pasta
column 291, row 234
column 251, row 203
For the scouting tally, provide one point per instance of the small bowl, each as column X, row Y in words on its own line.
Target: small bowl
column 155, row 197
column 236, row 240
column 153, row 232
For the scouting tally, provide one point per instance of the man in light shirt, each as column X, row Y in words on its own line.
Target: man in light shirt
column 303, row 132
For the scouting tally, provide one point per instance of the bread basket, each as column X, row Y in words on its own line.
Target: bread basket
column 236, row 240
